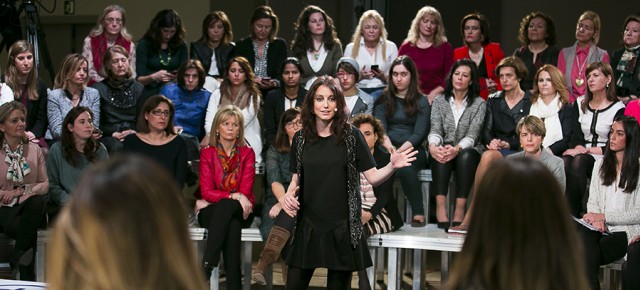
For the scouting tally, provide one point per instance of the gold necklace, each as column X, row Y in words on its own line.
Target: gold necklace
column 579, row 80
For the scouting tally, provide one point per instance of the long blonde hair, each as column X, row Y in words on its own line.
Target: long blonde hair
column 11, row 72
column 124, row 228
column 98, row 29
column 414, row 31
column 357, row 34
column 70, row 65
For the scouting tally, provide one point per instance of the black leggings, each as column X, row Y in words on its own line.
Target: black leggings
column 577, row 169
column 411, row 183
column 288, row 223
column 465, row 165
column 223, row 221
column 599, row 249
column 631, row 268
column 298, row 279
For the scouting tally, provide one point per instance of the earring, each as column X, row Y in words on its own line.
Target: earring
column 607, row 86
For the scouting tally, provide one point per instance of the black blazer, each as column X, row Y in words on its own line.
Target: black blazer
column 384, row 192
column 276, row 54
column 567, row 115
column 200, row 51
column 635, row 88
column 499, row 123
column 274, row 108
column 37, row 121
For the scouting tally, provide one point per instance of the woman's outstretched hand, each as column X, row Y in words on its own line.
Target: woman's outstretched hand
column 400, row 159
column 289, row 201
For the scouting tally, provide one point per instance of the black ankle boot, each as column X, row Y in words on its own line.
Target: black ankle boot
column 207, row 268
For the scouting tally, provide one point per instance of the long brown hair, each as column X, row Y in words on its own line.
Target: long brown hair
column 556, row 80
column 11, row 72
column 281, row 142
column 411, row 99
column 70, row 65
column 125, row 228
column 339, row 124
column 248, row 93
column 610, row 91
column 302, row 41
column 212, row 18
column 69, row 151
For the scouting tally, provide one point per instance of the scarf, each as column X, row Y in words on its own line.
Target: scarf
column 353, row 183
column 18, row 166
column 230, row 168
column 99, row 45
column 549, row 114
column 120, row 93
column 626, row 65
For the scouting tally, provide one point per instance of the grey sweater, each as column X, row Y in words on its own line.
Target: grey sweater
column 467, row 133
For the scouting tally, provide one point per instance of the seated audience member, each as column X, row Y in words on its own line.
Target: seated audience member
column 479, row 48
column 596, row 111
column 277, row 224
column 160, row 52
column 226, row 193
column 124, row 228
column 625, row 63
column 613, row 208
column 23, row 190
column 239, row 89
column 457, row 117
column 316, row 44
column 20, row 76
column 379, row 208
column 373, row 51
column 110, row 30
column 537, row 35
column 290, row 95
column 573, row 60
column 214, row 48
column 358, row 102
column 405, row 116
column 505, row 248
column 550, row 102
column 190, row 101
column 68, row 159
column 70, row 90
column 264, row 50
column 157, row 139
column 429, row 49
column 119, row 96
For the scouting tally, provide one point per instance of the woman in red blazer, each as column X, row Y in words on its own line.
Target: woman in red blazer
column 486, row 54
column 226, row 187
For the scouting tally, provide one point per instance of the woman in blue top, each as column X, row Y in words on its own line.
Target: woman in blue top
column 405, row 113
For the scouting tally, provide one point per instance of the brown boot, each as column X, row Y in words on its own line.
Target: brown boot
column 275, row 242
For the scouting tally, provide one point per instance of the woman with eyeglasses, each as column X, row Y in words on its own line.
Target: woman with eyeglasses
column 110, row 30
column 157, row 139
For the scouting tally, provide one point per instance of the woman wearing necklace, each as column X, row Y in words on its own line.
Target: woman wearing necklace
column 160, row 51
column 573, row 60
column 614, row 207
column 239, row 89
column 214, row 48
column 479, row 48
column 596, row 112
column 70, row 90
column 427, row 46
column 263, row 49
column 626, row 65
column 316, row 44
column 156, row 138
column 538, row 36
column 23, row 190
column 289, row 95
column 28, row 89
column 110, row 30
column 119, row 94
column 370, row 48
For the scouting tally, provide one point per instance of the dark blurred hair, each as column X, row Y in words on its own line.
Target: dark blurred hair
column 211, row 19
column 484, row 26
column 630, row 164
column 302, row 41
column 67, row 140
column 265, row 12
column 165, row 19
column 152, row 103
column 474, row 82
column 378, row 129
column 523, row 33
column 191, row 64
column 516, row 63
column 413, row 95
column 293, row 61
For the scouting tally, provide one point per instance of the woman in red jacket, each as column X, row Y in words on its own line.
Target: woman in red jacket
column 226, row 186
column 478, row 47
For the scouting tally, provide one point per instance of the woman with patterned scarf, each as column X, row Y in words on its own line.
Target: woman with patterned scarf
column 226, row 192
column 326, row 158
column 626, row 67
column 110, row 30
column 119, row 96
column 22, row 200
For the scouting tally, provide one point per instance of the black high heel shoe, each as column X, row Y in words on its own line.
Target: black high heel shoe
column 207, row 269
column 443, row 225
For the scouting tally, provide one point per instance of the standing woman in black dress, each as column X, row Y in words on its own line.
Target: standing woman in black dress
column 326, row 158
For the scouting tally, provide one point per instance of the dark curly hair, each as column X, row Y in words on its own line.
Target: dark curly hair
column 68, row 143
column 165, row 18
column 523, row 35
column 302, row 41
column 339, row 124
column 378, row 129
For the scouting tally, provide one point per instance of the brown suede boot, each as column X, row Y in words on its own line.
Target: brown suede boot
column 275, row 242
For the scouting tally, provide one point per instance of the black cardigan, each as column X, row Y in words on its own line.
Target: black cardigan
column 276, row 54
column 200, row 51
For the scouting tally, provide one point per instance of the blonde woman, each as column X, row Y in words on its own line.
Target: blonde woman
column 124, row 229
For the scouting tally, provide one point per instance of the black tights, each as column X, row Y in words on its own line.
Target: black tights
column 600, row 250
column 631, row 268
column 298, row 279
column 577, row 169
column 465, row 165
